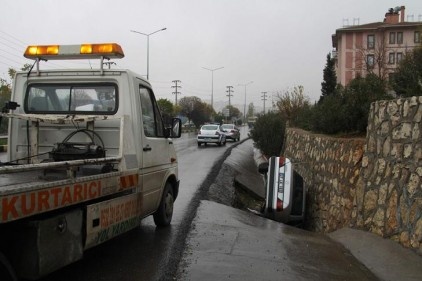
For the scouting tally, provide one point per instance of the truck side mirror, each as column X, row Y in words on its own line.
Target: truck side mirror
column 176, row 128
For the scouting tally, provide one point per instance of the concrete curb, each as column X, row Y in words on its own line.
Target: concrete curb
column 245, row 184
column 384, row 257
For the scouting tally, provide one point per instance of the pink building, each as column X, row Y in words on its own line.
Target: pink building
column 374, row 47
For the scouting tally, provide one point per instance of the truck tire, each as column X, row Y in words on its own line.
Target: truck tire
column 6, row 270
column 164, row 213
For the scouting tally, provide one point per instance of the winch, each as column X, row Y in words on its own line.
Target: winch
column 65, row 150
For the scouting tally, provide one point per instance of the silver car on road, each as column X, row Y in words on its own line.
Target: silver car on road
column 231, row 131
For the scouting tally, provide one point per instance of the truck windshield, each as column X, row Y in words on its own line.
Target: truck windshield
column 71, row 99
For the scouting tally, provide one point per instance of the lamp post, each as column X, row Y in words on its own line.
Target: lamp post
column 244, row 106
column 147, row 35
column 212, row 83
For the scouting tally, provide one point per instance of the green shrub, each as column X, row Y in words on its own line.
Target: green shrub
column 347, row 110
column 329, row 115
column 268, row 134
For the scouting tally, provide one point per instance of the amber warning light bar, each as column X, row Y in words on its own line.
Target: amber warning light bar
column 83, row 51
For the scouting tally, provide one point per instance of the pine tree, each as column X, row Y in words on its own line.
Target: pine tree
column 328, row 86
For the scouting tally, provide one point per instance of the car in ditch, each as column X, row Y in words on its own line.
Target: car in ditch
column 211, row 133
column 231, row 131
column 285, row 191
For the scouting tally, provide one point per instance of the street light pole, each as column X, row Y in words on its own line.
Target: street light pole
column 244, row 106
column 147, row 35
column 212, row 83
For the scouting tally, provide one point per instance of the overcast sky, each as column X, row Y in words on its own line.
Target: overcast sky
column 277, row 44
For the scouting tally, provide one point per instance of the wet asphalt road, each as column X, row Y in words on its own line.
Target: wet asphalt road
column 150, row 253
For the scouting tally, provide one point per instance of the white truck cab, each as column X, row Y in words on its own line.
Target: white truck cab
column 89, row 156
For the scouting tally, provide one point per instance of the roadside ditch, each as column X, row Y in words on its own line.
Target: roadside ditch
column 226, row 190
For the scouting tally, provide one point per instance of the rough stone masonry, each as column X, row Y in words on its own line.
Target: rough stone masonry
column 373, row 184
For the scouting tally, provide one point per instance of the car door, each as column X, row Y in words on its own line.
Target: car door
column 155, row 150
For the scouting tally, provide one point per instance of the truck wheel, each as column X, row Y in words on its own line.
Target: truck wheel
column 6, row 270
column 164, row 213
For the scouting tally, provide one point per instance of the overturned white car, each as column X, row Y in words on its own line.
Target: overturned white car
column 285, row 191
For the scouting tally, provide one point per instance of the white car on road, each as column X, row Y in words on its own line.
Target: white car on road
column 211, row 133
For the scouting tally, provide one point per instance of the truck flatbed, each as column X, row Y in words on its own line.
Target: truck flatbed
column 35, row 188
column 30, row 193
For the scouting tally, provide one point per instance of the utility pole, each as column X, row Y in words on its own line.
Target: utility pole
column 264, row 98
column 176, row 86
column 229, row 90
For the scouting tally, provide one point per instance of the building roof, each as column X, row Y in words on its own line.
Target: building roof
column 373, row 26
column 378, row 25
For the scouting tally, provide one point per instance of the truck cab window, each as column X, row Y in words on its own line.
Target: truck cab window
column 152, row 121
column 74, row 98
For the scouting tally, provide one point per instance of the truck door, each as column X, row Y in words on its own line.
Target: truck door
column 155, row 149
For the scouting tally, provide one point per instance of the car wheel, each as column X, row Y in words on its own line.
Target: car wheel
column 199, row 144
column 164, row 213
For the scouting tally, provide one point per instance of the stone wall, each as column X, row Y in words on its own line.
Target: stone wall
column 390, row 190
column 330, row 167
column 374, row 183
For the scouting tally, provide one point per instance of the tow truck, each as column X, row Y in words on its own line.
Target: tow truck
column 89, row 157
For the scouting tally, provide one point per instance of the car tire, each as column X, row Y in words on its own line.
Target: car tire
column 164, row 213
column 199, row 144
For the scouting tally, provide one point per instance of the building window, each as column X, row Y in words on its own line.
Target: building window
column 370, row 61
column 371, row 41
column 399, row 37
column 391, row 58
column 392, row 38
column 417, row 36
column 399, row 57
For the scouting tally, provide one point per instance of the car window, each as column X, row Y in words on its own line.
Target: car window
column 209, row 127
